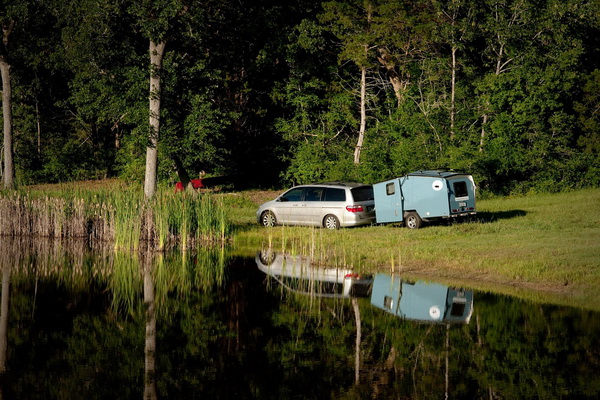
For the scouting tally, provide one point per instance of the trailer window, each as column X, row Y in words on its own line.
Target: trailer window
column 460, row 189
column 390, row 189
column 388, row 302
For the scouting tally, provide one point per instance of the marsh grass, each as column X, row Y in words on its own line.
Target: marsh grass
column 120, row 215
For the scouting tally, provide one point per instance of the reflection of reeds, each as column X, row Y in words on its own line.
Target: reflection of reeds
column 118, row 273
column 123, row 217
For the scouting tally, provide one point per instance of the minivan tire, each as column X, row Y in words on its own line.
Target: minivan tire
column 412, row 220
column 268, row 219
column 331, row 222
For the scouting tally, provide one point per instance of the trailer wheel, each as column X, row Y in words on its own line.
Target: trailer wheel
column 412, row 220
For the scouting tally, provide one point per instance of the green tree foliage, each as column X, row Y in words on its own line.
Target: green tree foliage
column 271, row 92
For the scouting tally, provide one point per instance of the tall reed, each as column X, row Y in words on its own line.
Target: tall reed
column 123, row 217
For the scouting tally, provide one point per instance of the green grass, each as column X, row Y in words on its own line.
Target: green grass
column 550, row 243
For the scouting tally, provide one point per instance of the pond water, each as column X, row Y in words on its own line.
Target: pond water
column 76, row 323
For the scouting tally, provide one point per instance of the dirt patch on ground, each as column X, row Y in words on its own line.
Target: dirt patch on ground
column 261, row 196
column 87, row 185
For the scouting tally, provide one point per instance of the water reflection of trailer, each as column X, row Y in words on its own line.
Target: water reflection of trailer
column 295, row 273
column 428, row 302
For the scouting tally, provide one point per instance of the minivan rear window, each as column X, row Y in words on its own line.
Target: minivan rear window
column 362, row 193
column 332, row 194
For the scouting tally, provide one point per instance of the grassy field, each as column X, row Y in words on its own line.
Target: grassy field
column 544, row 247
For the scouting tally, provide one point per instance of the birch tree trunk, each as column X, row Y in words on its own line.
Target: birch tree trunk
column 150, row 344
column 9, row 166
column 156, row 57
column 453, row 93
column 363, row 115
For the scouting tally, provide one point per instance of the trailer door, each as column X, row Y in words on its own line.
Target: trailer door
column 388, row 201
column 461, row 195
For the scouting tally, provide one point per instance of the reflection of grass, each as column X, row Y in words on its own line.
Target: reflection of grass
column 549, row 242
column 118, row 273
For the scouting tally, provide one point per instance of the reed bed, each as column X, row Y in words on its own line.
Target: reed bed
column 122, row 217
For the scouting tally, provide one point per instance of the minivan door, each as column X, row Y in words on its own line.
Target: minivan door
column 312, row 205
column 290, row 207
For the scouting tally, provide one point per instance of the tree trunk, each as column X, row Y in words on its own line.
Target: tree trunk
column 39, row 127
column 363, row 115
column 4, row 317
column 184, row 177
column 156, row 57
column 150, row 346
column 453, row 93
column 9, row 166
column 482, row 137
column 397, row 84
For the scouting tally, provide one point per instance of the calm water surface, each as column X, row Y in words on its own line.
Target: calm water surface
column 97, row 324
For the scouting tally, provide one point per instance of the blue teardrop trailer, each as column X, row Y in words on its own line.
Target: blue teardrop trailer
column 424, row 196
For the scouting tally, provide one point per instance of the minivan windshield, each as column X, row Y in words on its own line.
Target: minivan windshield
column 362, row 193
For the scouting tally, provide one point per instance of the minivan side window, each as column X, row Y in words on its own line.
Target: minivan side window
column 362, row 193
column 293, row 195
column 313, row 194
column 332, row 194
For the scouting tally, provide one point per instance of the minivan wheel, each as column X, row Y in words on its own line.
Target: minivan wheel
column 412, row 220
column 331, row 222
column 268, row 219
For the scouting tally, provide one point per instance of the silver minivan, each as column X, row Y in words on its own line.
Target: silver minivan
column 331, row 205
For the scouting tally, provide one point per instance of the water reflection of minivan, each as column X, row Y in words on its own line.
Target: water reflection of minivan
column 297, row 274
column 330, row 205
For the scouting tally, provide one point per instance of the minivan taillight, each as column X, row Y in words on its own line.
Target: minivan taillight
column 354, row 209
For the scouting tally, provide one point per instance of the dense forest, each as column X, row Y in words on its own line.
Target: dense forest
column 282, row 92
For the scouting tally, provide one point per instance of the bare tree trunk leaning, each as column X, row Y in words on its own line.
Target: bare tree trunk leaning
column 363, row 115
column 453, row 93
column 156, row 57
column 482, row 138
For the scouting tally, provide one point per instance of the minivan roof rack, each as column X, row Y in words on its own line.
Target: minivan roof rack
column 339, row 183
